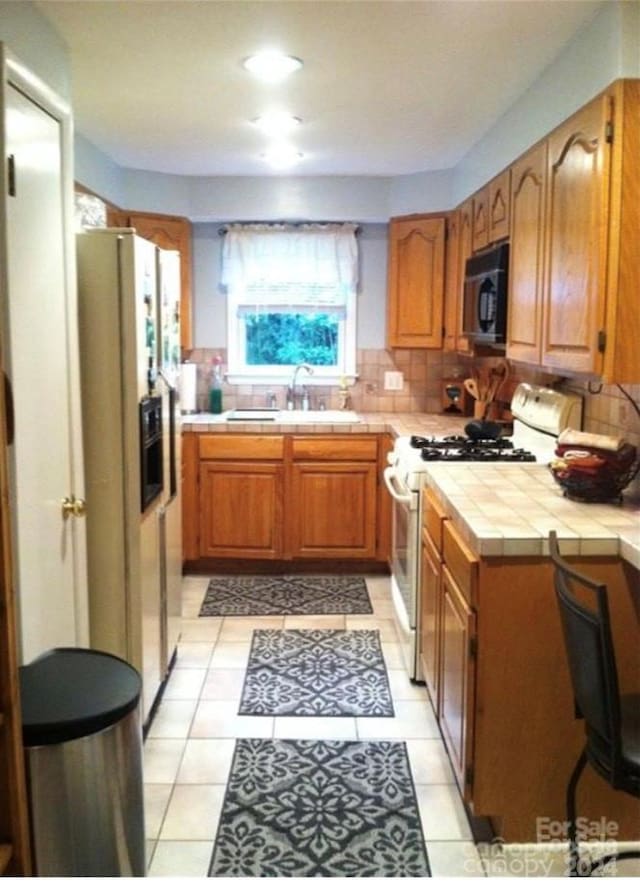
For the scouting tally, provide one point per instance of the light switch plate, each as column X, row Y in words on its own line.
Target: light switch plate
column 393, row 381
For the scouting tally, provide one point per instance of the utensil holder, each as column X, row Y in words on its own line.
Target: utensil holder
column 480, row 409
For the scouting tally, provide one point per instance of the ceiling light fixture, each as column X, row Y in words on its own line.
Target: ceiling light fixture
column 272, row 66
column 282, row 155
column 276, row 123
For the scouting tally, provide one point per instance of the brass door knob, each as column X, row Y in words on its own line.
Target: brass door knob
column 73, row 506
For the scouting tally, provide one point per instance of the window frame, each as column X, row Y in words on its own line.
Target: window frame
column 239, row 372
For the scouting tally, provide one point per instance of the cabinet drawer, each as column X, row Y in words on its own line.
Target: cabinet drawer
column 362, row 449
column 241, row 446
column 461, row 562
column 433, row 517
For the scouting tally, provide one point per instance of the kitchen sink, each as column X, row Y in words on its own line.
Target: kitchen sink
column 294, row 416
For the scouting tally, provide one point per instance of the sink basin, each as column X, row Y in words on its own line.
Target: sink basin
column 294, row 416
column 318, row 417
column 252, row 415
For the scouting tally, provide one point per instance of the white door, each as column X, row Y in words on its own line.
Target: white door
column 40, row 351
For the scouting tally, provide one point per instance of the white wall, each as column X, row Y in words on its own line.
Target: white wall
column 604, row 50
column 37, row 44
column 98, row 172
column 209, row 310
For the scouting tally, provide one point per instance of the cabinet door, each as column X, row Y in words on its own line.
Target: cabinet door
column 173, row 233
column 241, row 509
column 465, row 242
column 577, row 220
column 480, row 226
column 416, row 282
column 528, row 177
column 499, row 207
column 333, row 510
column 385, row 502
column 457, row 695
column 452, row 284
column 431, row 619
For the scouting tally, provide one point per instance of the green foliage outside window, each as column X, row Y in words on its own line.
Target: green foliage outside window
column 282, row 339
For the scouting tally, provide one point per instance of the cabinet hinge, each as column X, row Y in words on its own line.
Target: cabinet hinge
column 602, row 340
column 11, row 174
column 468, row 776
column 608, row 132
column 473, row 647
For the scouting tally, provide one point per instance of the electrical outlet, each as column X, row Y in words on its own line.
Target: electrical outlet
column 393, row 381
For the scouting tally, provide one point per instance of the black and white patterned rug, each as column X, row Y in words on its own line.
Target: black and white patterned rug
column 316, row 672
column 319, row 809
column 244, row 595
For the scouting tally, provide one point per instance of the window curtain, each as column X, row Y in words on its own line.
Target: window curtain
column 293, row 268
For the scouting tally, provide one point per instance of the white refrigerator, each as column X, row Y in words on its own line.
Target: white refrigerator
column 170, row 512
column 131, row 533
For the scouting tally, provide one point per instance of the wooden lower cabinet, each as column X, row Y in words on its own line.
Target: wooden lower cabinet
column 283, row 497
column 241, row 510
column 456, row 711
column 332, row 513
column 431, row 618
column 496, row 670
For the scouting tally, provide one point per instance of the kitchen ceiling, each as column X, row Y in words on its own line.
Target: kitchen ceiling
column 387, row 88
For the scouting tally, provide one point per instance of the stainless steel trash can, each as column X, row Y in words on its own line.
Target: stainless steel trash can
column 83, row 751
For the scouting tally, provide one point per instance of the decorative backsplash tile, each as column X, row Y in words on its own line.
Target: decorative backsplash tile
column 607, row 410
column 423, row 372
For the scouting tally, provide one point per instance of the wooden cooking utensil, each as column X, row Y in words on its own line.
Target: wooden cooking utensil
column 471, row 386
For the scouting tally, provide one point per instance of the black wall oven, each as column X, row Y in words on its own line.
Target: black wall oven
column 485, row 296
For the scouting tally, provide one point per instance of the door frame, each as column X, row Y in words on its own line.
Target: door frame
column 18, row 75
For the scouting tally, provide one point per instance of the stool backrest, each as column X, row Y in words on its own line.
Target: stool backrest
column 590, row 653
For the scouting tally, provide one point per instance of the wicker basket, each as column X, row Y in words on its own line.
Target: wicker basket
column 605, row 486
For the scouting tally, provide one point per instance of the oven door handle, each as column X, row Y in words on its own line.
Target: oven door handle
column 388, row 475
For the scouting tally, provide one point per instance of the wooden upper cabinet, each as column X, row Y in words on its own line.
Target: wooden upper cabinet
column 576, row 247
column 622, row 327
column 452, row 283
column 173, row 233
column 416, row 281
column 480, row 221
column 499, row 207
column 465, row 250
column 524, row 319
column 491, row 217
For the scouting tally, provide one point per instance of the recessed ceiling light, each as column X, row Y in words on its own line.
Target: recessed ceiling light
column 276, row 123
column 272, row 66
column 282, row 155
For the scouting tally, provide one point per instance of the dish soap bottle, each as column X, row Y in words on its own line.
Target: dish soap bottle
column 215, row 391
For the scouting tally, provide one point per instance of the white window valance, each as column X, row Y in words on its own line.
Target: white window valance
column 277, row 264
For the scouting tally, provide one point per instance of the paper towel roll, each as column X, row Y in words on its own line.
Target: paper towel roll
column 188, row 387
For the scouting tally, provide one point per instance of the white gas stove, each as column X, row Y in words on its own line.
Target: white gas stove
column 540, row 415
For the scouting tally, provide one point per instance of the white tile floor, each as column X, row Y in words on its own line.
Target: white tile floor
column 188, row 751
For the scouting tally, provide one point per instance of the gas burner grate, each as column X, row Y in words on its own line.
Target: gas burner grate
column 476, row 453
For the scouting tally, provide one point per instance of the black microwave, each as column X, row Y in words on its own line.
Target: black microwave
column 484, row 317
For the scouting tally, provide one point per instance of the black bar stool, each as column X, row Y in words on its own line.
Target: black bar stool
column 612, row 722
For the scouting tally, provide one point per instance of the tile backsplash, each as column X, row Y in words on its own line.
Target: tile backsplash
column 607, row 410
column 423, row 372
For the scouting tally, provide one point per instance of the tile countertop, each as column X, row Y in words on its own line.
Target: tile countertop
column 370, row 423
column 500, row 510
column 508, row 510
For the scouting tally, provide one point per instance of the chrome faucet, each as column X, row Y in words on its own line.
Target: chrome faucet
column 291, row 392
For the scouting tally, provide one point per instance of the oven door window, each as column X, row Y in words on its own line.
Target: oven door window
column 404, row 557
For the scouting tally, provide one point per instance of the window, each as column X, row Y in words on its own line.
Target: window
column 291, row 295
